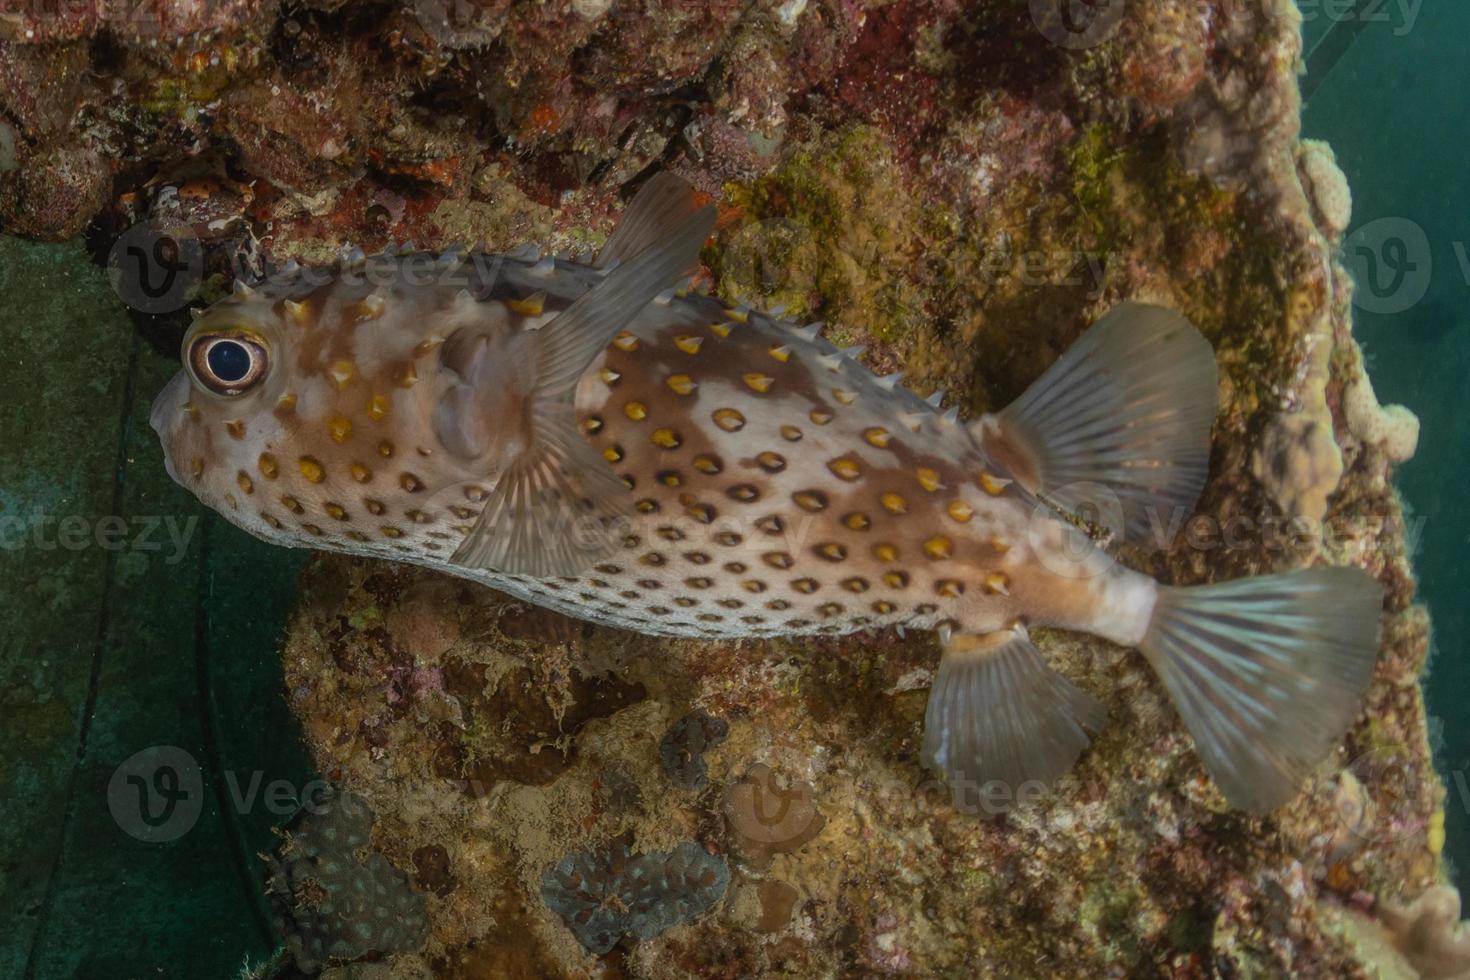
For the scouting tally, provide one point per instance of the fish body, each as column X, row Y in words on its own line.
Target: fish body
column 588, row 438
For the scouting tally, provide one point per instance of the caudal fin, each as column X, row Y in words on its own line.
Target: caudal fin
column 1267, row 672
column 1128, row 409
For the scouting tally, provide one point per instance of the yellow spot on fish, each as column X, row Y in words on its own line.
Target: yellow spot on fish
column 845, row 468
column 592, row 424
column 707, row 464
column 721, row 329
column 368, row 308
column 311, row 469
column 335, row 510
column 758, row 382
column 292, row 504
column 739, row 316
column 272, row 520
column 993, row 485
column 408, row 377
column 339, row 428
column 883, row 607
column 625, row 341
column 790, row 433
column 385, row 449
column 340, row 373
column 877, row 436
column 268, row 466
column 410, row 483
column 297, row 312
column 857, row 521
column 688, row 344
column 820, row 417
column 960, row 511
column 831, row 551
column 810, row 500
column 949, row 588
column 609, row 376
column 939, row 547
column 996, row 582
column 530, row 306
column 896, row 580
column 885, row 552
column 703, row 513
column 313, row 530
column 286, row 403
column 667, row 438
column 377, row 408
column 844, row 396
column 729, row 419
column 613, row 454
column 894, row 503
column 361, row 473
column 780, row 352
column 236, row 428
column 636, row 411
column 375, row 507
column 855, row 584
column 681, row 384
column 246, row 484
column 806, row 586
column 1001, row 545
column 391, row 532
column 928, row 479
column 771, row 462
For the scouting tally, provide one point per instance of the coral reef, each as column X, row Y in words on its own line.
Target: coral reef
column 962, row 187
column 683, row 748
column 330, row 901
column 606, row 893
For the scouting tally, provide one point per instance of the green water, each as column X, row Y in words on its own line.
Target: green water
column 1391, row 98
column 159, row 629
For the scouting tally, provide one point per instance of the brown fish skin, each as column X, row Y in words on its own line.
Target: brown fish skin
column 664, row 463
column 778, row 487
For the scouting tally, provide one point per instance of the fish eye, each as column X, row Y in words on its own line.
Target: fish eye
column 228, row 364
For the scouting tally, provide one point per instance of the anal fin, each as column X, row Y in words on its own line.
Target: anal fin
column 1001, row 722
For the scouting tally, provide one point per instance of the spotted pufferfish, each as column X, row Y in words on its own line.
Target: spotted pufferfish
column 591, row 438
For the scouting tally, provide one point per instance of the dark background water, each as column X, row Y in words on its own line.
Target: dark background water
column 1391, row 92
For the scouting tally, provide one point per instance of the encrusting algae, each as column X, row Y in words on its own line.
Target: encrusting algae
column 961, row 192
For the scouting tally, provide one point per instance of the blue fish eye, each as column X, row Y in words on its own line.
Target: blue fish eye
column 229, row 361
column 228, row 365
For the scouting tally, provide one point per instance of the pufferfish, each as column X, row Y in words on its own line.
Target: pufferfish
column 594, row 439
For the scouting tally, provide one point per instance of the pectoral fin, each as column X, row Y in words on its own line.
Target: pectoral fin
column 1124, row 414
column 999, row 718
column 557, row 505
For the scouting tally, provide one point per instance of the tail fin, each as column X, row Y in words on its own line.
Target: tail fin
column 1267, row 672
column 1128, row 407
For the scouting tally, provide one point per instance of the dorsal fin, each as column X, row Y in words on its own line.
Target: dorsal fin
column 557, row 502
column 661, row 205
